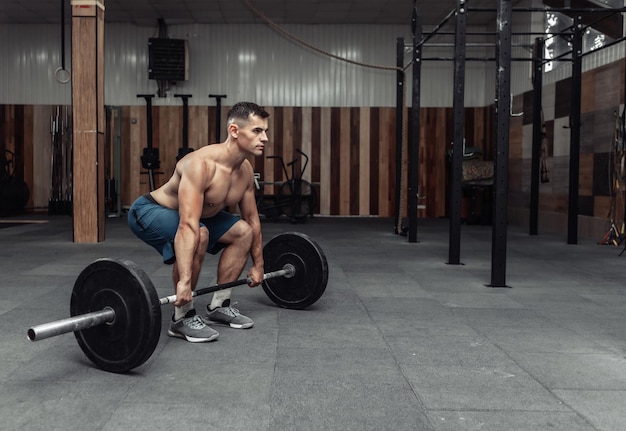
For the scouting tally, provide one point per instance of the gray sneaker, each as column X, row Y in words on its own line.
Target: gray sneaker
column 192, row 328
column 227, row 315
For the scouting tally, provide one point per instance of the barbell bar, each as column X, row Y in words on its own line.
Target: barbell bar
column 288, row 271
column 115, row 312
column 107, row 314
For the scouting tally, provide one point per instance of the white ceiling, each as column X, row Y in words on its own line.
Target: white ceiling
column 147, row 12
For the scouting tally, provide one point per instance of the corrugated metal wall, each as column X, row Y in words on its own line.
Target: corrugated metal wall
column 245, row 62
column 254, row 62
column 29, row 55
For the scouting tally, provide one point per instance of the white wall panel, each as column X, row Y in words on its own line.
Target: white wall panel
column 30, row 55
column 591, row 61
column 250, row 62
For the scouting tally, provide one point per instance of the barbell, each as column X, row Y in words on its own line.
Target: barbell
column 115, row 312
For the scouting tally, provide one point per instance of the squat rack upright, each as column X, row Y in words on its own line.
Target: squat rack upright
column 502, row 111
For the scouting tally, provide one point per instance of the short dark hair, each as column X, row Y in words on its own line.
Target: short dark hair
column 241, row 112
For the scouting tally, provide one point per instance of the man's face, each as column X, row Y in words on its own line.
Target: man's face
column 252, row 136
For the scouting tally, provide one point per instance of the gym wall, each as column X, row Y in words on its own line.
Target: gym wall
column 351, row 150
column 339, row 108
column 602, row 100
column 352, row 107
column 246, row 62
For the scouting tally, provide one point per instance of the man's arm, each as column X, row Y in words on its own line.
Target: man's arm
column 193, row 180
column 250, row 214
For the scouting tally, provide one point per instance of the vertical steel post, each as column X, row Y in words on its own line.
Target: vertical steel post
column 501, row 162
column 537, row 135
column 574, row 142
column 456, row 168
column 413, row 168
column 399, row 108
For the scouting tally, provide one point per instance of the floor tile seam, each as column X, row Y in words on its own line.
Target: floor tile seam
column 536, row 380
column 275, row 373
column 496, row 410
column 500, row 346
column 581, row 334
column 591, row 390
column 588, row 389
column 545, row 315
column 413, row 390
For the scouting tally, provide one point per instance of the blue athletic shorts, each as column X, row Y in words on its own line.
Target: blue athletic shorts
column 156, row 225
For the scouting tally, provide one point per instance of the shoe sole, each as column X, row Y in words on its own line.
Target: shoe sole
column 191, row 339
column 233, row 325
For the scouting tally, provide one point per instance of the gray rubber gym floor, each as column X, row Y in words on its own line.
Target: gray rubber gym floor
column 399, row 341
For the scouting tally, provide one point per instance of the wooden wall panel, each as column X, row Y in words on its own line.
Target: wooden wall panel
column 386, row 155
column 210, row 125
column 277, row 145
column 606, row 79
column 8, row 135
column 126, row 145
column 138, row 183
column 588, row 92
column 169, row 131
column 364, row 161
column 325, row 158
column 42, row 154
column 334, row 160
column 198, row 127
column 353, row 190
column 434, row 169
column 287, row 150
column 18, row 145
column 306, row 139
column 315, row 154
column 271, row 149
column 28, row 151
column 516, row 140
column 344, row 162
column 374, row 160
column 585, row 187
column 563, row 98
column 352, row 151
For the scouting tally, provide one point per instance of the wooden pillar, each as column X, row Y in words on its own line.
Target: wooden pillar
column 88, row 119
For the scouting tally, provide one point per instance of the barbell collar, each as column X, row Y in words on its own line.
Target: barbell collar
column 71, row 324
column 288, row 271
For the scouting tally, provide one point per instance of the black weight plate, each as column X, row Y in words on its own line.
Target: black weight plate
column 130, row 340
column 309, row 282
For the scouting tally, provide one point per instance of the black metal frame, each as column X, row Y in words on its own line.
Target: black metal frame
column 458, row 107
column 537, row 135
column 574, row 156
column 413, row 168
column 503, row 106
column 501, row 159
column 399, row 119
